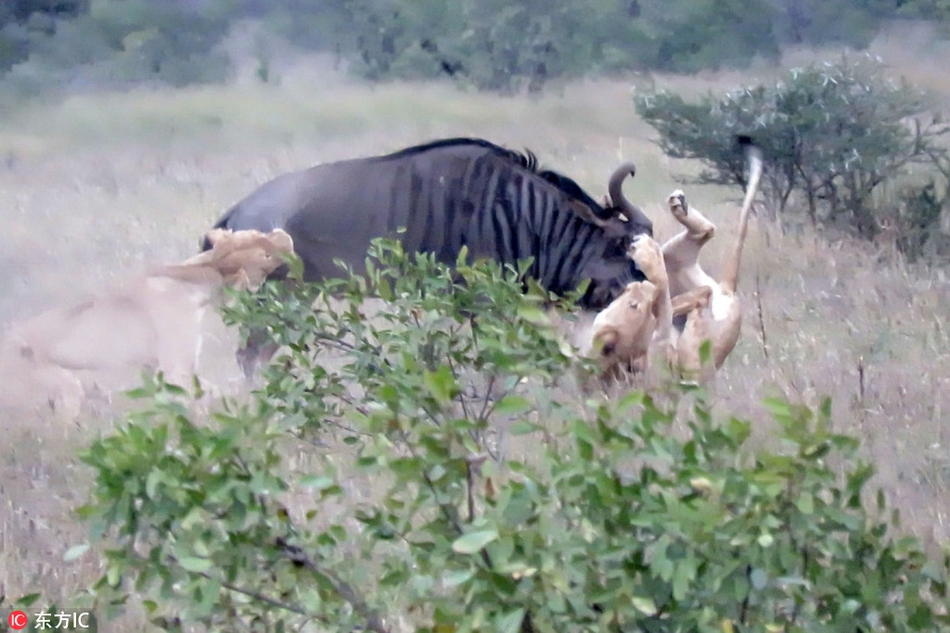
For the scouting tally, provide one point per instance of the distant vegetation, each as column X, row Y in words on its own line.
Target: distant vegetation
column 488, row 44
column 856, row 150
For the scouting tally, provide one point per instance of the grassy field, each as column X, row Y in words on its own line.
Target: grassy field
column 99, row 188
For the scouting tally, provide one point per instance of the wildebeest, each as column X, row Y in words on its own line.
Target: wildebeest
column 448, row 194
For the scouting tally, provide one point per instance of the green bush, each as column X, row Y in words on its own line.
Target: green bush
column 832, row 133
column 916, row 220
column 507, row 46
column 376, row 481
column 694, row 35
column 819, row 22
column 117, row 42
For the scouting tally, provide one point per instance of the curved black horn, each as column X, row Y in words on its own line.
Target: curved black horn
column 615, row 191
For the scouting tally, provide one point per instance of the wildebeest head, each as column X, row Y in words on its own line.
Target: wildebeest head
column 621, row 222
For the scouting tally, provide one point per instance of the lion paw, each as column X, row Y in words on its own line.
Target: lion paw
column 649, row 257
column 677, row 204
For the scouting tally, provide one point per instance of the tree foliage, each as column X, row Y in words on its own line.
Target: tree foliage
column 488, row 44
column 373, row 482
column 833, row 133
column 122, row 41
column 500, row 45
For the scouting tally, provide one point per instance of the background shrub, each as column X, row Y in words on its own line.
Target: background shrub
column 836, row 136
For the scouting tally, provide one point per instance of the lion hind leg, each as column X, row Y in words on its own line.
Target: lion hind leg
column 695, row 299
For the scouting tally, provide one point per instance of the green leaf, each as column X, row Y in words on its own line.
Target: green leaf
column 473, row 541
column 511, row 623
column 759, row 578
column 805, row 503
column 533, row 315
column 512, row 404
column 778, row 408
column 195, row 564
column 582, row 431
column 644, row 605
column 523, row 427
column 75, row 552
column 460, row 577
column 151, row 483
column 462, row 258
column 316, row 482
column 630, row 400
column 28, row 600
column 441, row 384
column 681, row 579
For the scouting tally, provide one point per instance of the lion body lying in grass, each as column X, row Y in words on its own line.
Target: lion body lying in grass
column 154, row 322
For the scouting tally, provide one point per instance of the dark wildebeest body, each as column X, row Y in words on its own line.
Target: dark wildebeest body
column 448, row 194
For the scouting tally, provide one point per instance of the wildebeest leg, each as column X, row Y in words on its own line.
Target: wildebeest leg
column 257, row 350
column 255, row 353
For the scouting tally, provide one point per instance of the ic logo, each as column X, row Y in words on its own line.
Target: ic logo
column 18, row 620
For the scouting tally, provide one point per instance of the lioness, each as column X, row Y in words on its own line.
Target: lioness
column 624, row 332
column 154, row 322
column 680, row 306
column 704, row 309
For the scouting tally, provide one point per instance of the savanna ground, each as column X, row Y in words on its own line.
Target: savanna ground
column 101, row 187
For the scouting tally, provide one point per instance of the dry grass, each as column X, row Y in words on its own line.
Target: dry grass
column 99, row 188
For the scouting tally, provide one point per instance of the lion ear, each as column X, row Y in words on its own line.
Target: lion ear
column 281, row 241
column 608, row 340
column 212, row 236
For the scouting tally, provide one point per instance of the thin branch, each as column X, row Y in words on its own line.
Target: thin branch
column 255, row 595
column 744, row 609
column 298, row 557
column 455, row 374
column 758, row 301
column 260, row 597
column 446, row 510
column 472, row 464
column 504, row 395
column 482, row 415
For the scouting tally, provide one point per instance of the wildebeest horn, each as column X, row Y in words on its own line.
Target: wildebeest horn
column 627, row 209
